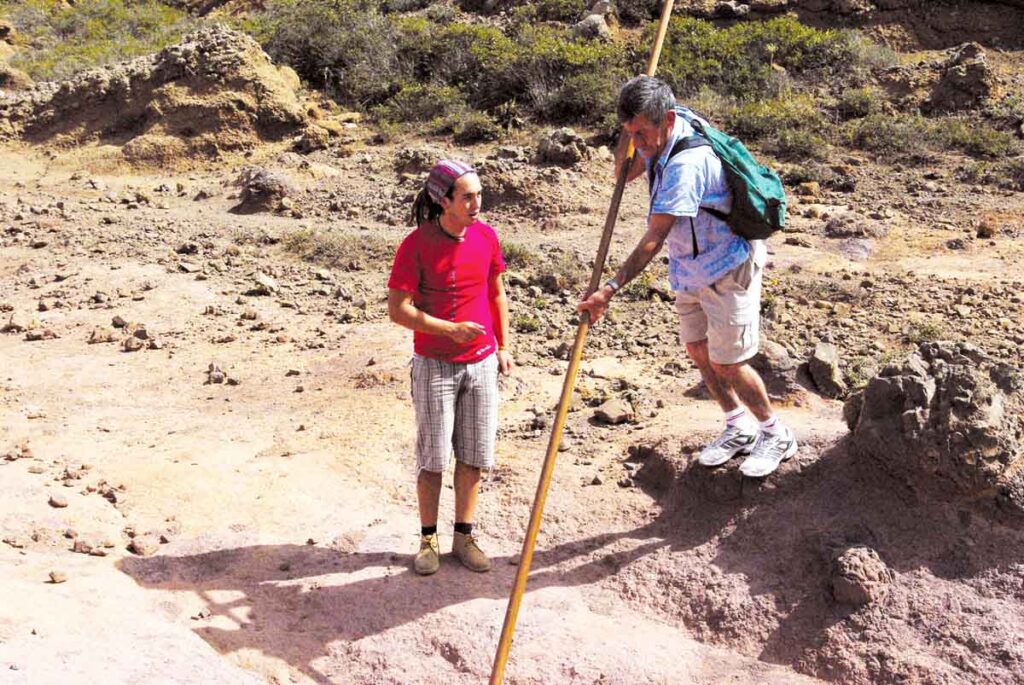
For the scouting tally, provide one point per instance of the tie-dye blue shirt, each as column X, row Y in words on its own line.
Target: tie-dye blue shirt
column 683, row 186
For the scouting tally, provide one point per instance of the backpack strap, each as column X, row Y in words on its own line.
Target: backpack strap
column 700, row 135
column 682, row 144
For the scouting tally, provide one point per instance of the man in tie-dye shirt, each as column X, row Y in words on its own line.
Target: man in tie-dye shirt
column 715, row 273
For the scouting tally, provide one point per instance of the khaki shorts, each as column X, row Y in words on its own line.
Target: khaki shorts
column 727, row 313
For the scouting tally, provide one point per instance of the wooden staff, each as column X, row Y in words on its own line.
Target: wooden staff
column 526, row 557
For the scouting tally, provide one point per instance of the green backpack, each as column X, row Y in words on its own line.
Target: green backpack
column 758, row 198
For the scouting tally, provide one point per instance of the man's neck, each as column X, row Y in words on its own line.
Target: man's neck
column 450, row 228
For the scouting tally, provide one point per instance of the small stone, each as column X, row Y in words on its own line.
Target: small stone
column 859, row 576
column 57, row 577
column 102, row 334
column 615, row 411
column 58, row 501
column 132, row 344
column 144, row 545
column 265, row 285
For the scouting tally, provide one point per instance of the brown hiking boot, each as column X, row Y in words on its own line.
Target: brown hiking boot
column 428, row 559
column 469, row 553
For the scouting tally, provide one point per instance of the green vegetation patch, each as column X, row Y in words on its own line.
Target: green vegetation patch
column 62, row 39
column 753, row 60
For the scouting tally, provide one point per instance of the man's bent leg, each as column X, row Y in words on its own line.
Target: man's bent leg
column 746, row 384
column 775, row 442
column 721, row 392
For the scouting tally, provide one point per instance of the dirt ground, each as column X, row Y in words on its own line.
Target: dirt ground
column 261, row 529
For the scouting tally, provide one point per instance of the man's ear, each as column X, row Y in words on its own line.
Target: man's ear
column 670, row 118
column 445, row 202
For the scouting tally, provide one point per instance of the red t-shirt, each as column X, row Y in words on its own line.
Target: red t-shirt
column 450, row 279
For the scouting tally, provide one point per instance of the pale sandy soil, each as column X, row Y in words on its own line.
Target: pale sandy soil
column 290, row 516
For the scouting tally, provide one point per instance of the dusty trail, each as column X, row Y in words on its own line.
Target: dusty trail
column 286, row 506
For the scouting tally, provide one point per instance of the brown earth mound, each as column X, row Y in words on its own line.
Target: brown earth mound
column 831, row 566
column 214, row 92
column 949, row 421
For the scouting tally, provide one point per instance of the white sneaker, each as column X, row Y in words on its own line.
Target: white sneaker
column 733, row 440
column 770, row 450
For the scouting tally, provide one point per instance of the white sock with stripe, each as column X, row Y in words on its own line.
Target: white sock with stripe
column 736, row 417
column 771, row 425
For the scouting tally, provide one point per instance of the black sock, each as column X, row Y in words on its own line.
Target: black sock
column 464, row 528
column 428, row 530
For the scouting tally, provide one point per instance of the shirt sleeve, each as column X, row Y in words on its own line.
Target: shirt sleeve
column 405, row 272
column 497, row 258
column 681, row 189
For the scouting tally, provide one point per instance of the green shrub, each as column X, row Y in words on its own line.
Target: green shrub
column 567, row 79
column 1007, row 174
column 549, row 10
column 975, row 139
column 63, row 39
column 518, row 256
column 346, row 47
column 797, row 144
column 403, row 5
column 742, row 60
column 525, row 323
column 893, row 134
column 802, row 173
column 855, row 103
column 337, row 249
column 441, row 13
column 470, row 127
column 543, row 69
column 640, row 287
column 421, row 102
column 761, row 118
column 926, row 331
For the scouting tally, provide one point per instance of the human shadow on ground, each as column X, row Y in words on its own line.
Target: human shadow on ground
column 740, row 562
column 291, row 601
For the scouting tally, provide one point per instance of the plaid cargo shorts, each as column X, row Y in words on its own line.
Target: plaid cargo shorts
column 456, row 409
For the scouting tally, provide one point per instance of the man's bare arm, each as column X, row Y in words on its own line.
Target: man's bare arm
column 403, row 312
column 658, row 228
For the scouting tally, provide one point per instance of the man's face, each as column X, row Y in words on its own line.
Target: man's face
column 462, row 208
column 649, row 138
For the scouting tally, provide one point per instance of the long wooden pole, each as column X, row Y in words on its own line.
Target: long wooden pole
column 526, row 556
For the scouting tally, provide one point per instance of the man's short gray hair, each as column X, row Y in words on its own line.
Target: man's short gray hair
column 645, row 95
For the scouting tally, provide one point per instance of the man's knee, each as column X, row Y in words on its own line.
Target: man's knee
column 428, row 476
column 698, row 351
column 728, row 370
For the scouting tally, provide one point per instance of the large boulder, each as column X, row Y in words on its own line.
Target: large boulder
column 562, row 146
column 949, row 421
column 13, row 79
column 593, row 26
column 966, row 81
column 214, row 91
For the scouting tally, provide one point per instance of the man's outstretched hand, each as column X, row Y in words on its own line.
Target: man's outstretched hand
column 596, row 304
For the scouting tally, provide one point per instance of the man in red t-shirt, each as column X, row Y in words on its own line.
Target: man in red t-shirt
column 446, row 286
